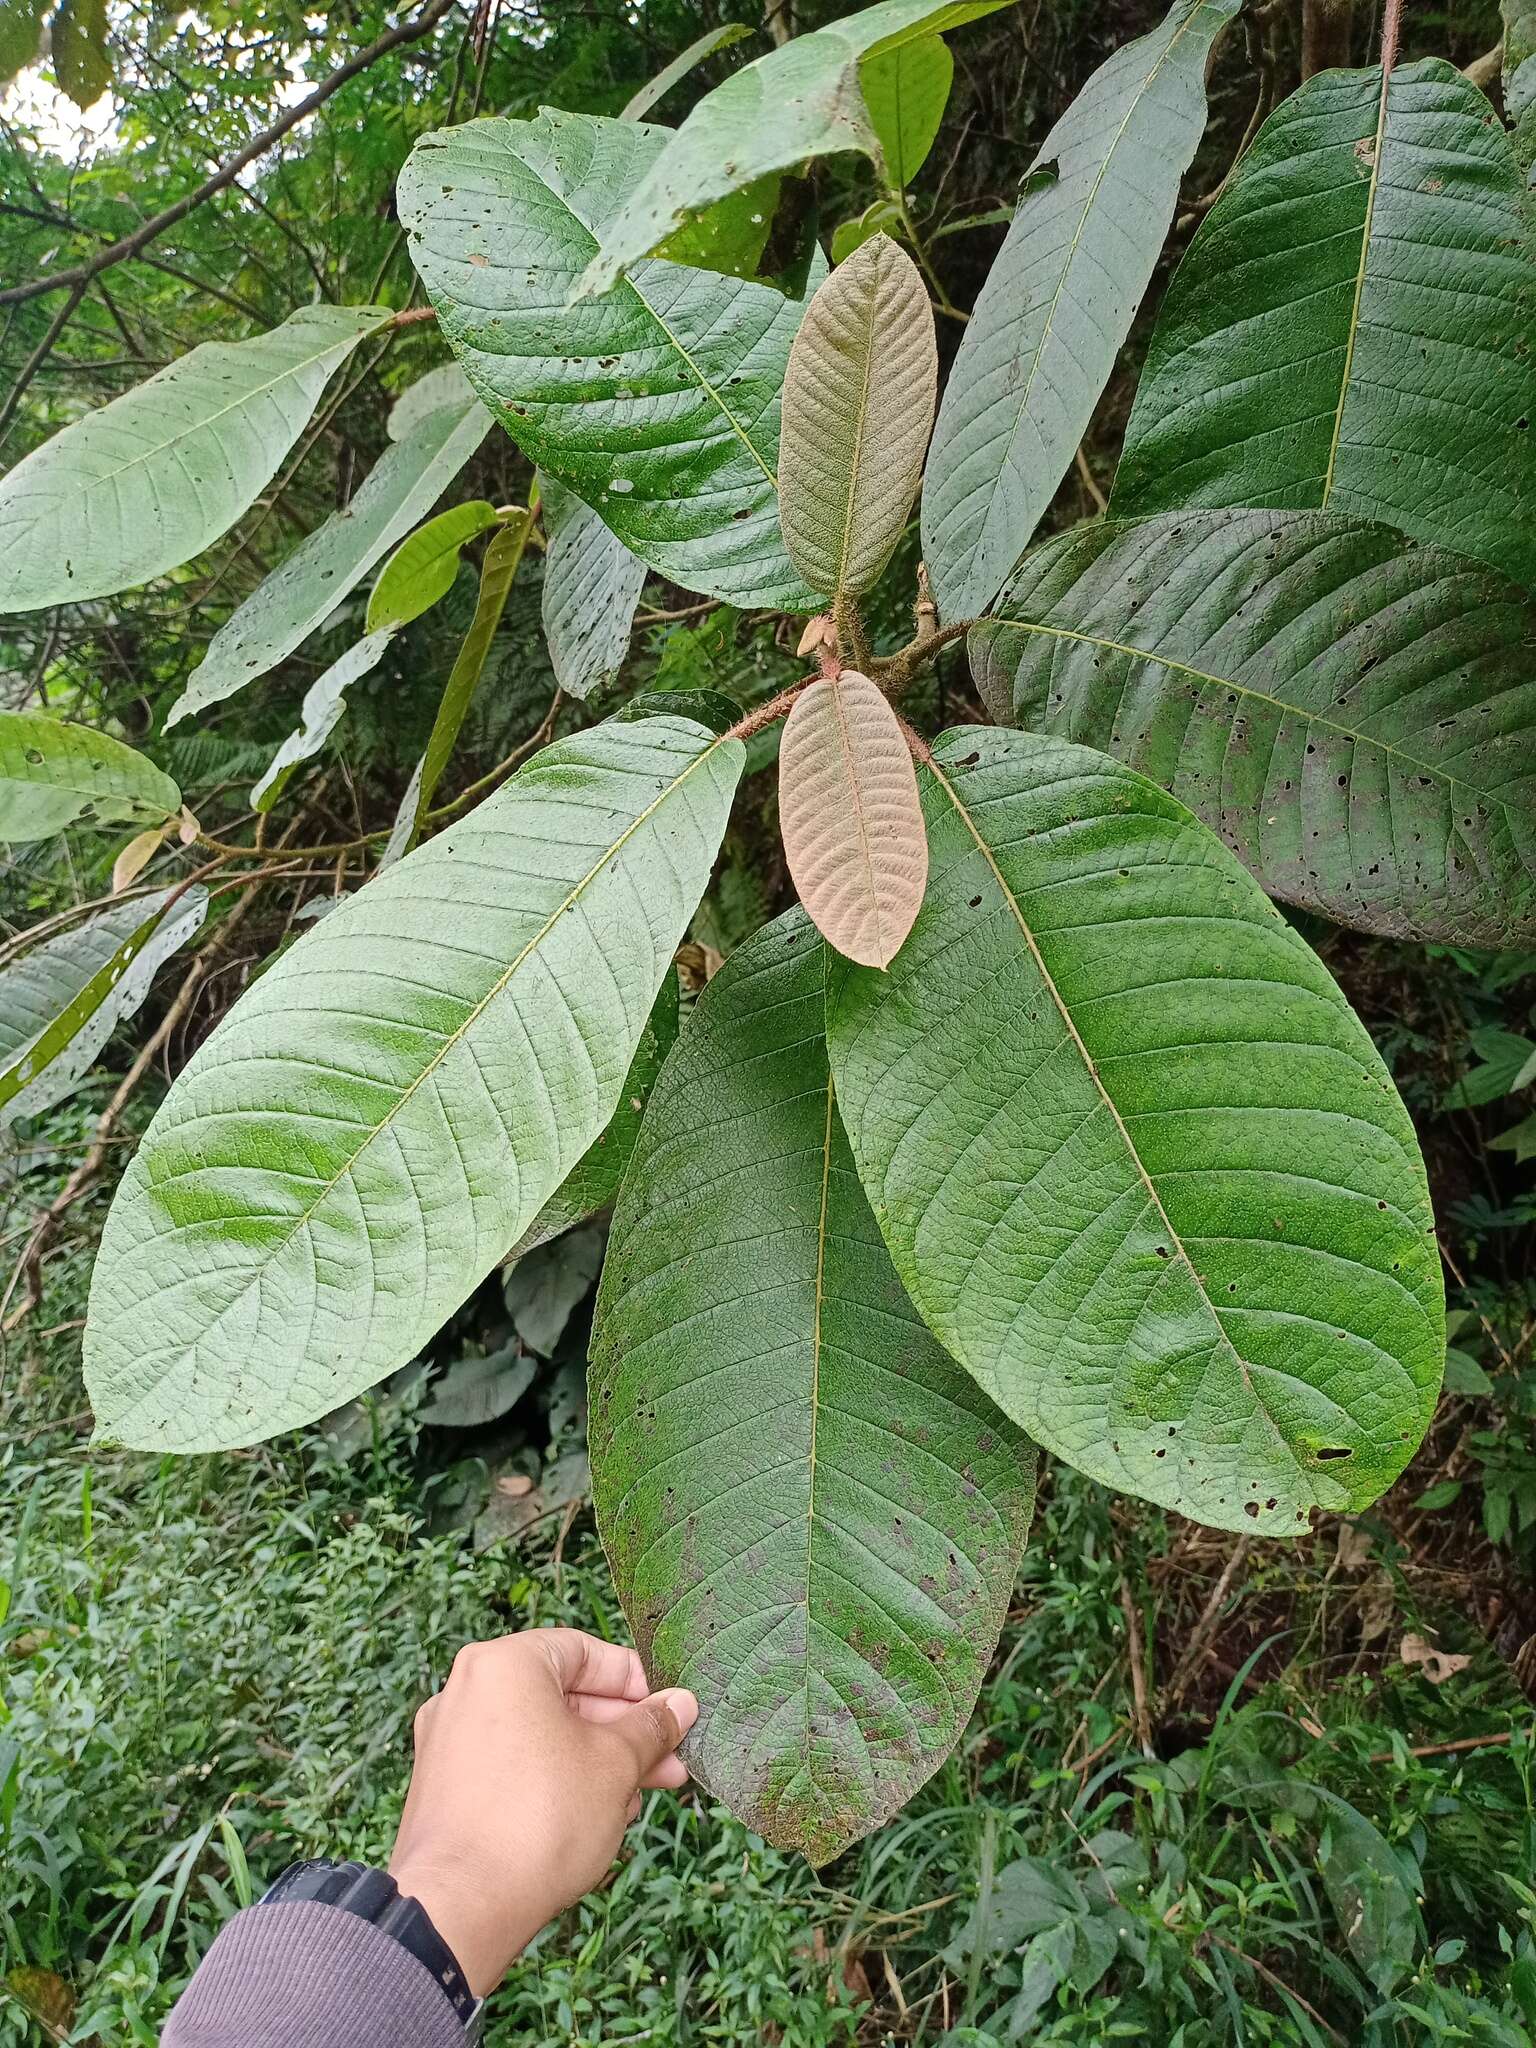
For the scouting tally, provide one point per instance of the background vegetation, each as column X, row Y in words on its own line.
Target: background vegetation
column 1216, row 1790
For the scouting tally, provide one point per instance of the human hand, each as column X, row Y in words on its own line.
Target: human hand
column 529, row 1766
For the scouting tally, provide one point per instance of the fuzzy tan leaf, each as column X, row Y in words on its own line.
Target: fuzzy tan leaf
column 858, row 409
column 851, row 818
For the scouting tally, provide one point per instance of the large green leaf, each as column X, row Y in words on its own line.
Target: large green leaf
column 151, row 479
column 1355, row 714
column 300, row 595
column 858, row 410
column 21, row 35
column 802, row 100
column 82, row 62
column 61, row 1002
column 1351, row 327
column 814, row 1517
column 1059, row 302
column 387, row 1109
column 591, row 587
column 1136, row 1159
column 657, row 403
column 53, row 775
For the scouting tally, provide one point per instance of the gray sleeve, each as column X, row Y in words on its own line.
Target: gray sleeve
column 306, row 1975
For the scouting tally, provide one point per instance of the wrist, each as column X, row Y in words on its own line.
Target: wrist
column 485, row 1929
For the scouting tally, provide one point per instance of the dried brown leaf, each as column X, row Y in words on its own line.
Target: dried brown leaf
column 851, row 817
column 858, row 409
column 1438, row 1665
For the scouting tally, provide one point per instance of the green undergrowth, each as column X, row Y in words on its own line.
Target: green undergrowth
column 209, row 1667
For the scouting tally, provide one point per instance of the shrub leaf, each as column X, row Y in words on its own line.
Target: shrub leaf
column 54, row 774
column 389, row 1107
column 1059, row 302
column 1351, row 326
column 1354, row 714
column 659, row 402
column 150, row 480
column 1138, row 1163
column 858, row 410
column 814, row 1517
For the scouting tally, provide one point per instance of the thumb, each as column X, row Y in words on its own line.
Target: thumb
column 653, row 1729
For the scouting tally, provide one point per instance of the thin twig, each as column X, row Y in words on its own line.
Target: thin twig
column 1205, row 1628
column 130, row 245
column 1143, row 1717
column 1464, row 1742
column 1276, row 1983
column 38, row 357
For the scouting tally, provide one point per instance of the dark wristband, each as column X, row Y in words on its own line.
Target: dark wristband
column 374, row 1896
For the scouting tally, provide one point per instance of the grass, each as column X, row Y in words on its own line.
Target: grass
column 208, row 1667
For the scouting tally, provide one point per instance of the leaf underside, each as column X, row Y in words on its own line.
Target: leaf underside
column 325, row 703
column 659, row 402
column 1354, row 714
column 594, row 1181
column 814, row 1517
column 851, row 817
column 858, row 409
column 1138, row 1163
column 302, row 592
column 1059, row 303
column 149, row 481
column 388, row 1108
column 61, row 1001
column 591, row 587
column 1351, row 327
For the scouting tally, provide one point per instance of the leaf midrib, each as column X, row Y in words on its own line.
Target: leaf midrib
column 248, row 397
column 1091, row 1065
column 450, row 1044
column 1354, row 311
column 856, row 796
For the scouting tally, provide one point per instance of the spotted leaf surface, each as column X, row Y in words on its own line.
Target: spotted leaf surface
column 814, row 1517
column 591, row 586
column 54, row 774
column 657, row 403
column 1354, row 714
column 1137, row 1162
column 804, row 99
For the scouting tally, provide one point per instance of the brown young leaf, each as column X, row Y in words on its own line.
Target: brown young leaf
column 851, row 818
column 858, row 408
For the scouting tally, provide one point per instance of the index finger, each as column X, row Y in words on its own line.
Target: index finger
column 583, row 1664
